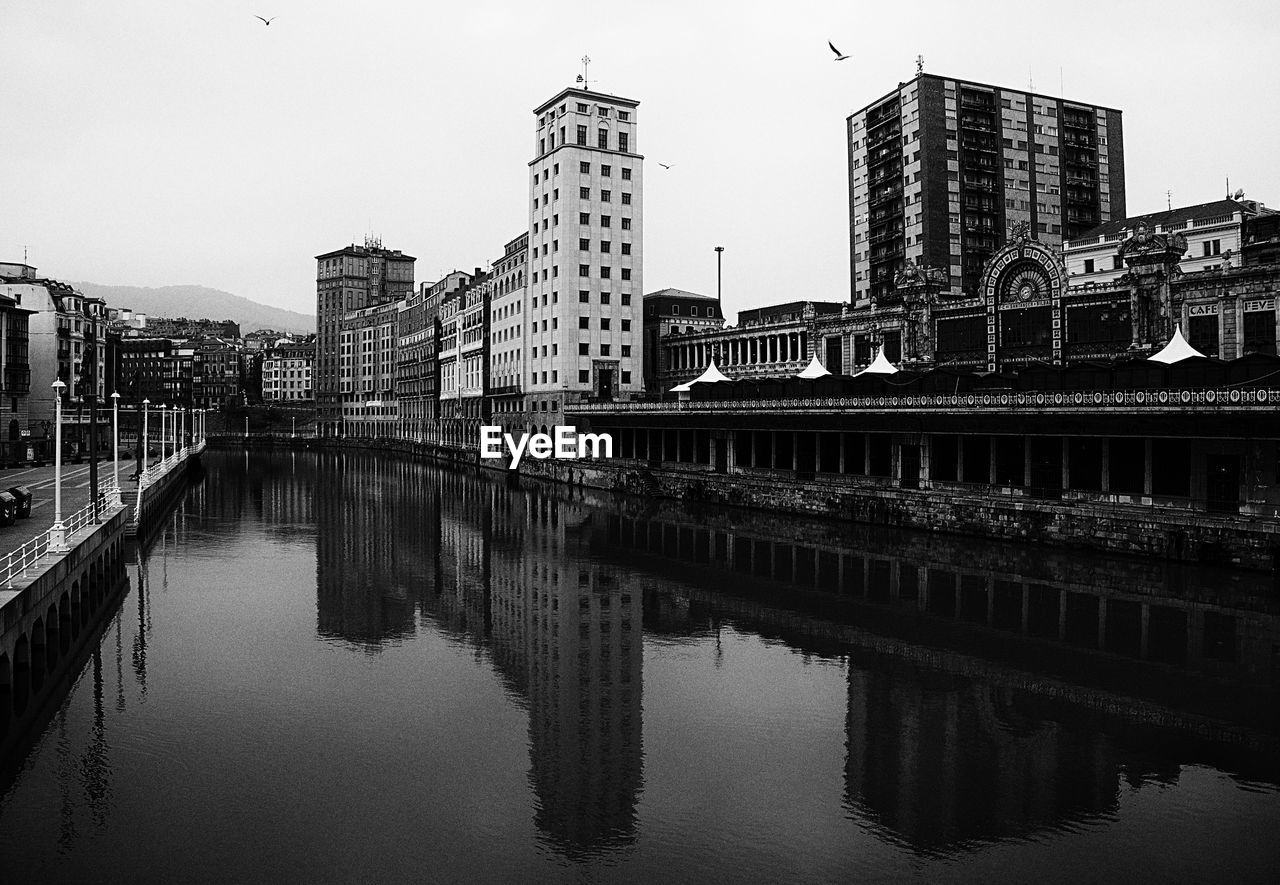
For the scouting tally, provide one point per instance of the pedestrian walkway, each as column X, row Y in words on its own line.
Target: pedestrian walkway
column 40, row 482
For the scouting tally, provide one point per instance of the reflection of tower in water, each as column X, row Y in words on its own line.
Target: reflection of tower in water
column 571, row 627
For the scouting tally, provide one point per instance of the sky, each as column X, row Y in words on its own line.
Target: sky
column 152, row 143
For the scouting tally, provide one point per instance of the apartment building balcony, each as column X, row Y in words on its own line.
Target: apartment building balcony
column 883, row 136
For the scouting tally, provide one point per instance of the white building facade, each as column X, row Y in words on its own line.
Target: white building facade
column 583, row 315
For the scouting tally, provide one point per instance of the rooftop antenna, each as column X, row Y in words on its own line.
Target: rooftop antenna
column 919, row 65
column 1031, row 83
column 582, row 78
column 1228, row 187
column 1168, row 195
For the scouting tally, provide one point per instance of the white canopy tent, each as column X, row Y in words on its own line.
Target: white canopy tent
column 1176, row 350
column 879, row 366
column 815, row 369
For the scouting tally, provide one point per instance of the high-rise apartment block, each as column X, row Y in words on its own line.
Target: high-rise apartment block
column 583, row 313
column 350, row 279
column 940, row 170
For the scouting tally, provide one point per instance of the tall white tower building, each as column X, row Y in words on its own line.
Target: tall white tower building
column 585, row 254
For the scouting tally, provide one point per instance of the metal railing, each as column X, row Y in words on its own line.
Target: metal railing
column 159, row 469
column 26, row 557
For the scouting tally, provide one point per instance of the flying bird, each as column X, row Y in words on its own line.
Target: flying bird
column 268, row 21
column 665, row 166
column 838, row 57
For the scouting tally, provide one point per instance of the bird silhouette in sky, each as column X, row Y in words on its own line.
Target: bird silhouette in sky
column 839, row 56
column 268, row 21
column 665, row 166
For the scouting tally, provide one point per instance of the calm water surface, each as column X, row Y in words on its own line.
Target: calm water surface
column 329, row 667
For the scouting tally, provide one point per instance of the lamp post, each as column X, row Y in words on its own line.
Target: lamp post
column 146, row 413
column 58, row 532
column 719, row 303
column 164, row 426
column 246, row 426
column 295, row 427
column 115, row 446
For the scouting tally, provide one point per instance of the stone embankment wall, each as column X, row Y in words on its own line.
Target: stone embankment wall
column 1114, row 527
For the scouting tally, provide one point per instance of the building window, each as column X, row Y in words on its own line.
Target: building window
column 605, row 245
column 584, row 296
column 604, row 297
column 622, row 142
column 626, row 199
column 604, row 272
column 606, row 196
column 584, row 193
column 1212, row 247
column 584, row 218
column 584, row 322
column 626, row 325
column 626, row 224
column 1088, row 265
column 602, row 139
column 584, row 348
column 604, row 349
column 1117, row 263
column 584, row 376
column 626, row 301
column 604, row 324
column 584, row 244
column 584, row 270
column 1260, row 332
column 1202, row 333
column 626, row 173
column 584, row 168
column 626, row 350
column 582, row 135
column 582, row 108
column 675, row 310
column 606, row 220
column 605, row 171
column 626, row 273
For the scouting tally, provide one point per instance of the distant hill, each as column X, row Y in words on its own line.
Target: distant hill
column 200, row 302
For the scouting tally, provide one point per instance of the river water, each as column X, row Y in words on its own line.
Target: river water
column 358, row 668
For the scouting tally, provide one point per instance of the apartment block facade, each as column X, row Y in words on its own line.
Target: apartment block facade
column 585, row 262
column 941, row 170
column 350, row 279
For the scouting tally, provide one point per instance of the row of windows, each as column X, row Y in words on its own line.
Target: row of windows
column 602, row 140
column 675, row 310
column 583, row 108
column 584, row 270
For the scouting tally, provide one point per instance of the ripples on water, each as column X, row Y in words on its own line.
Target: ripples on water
column 342, row 667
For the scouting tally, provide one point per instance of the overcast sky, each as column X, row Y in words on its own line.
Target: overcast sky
column 148, row 142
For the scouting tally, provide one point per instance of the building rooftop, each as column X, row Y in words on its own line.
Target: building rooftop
column 1170, row 217
column 922, row 76
column 587, row 94
column 678, row 293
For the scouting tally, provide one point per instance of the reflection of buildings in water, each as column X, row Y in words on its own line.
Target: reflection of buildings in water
column 986, row 700
column 567, row 630
column 375, row 547
column 508, row 571
column 1204, row 621
column 941, row 760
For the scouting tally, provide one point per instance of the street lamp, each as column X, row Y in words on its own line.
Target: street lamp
column 719, row 303
column 58, row 532
column 115, row 445
column 146, row 413
column 164, row 426
column 295, row 427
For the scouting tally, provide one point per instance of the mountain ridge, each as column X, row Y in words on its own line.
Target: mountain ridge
column 199, row 302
